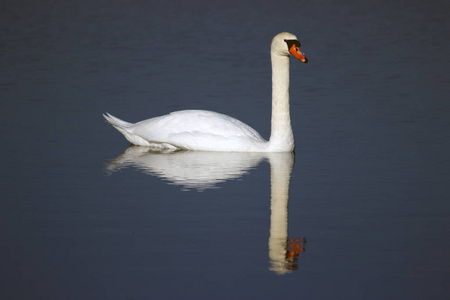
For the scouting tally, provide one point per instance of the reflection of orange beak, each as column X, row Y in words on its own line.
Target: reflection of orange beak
column 297, row 53
column 293, row 249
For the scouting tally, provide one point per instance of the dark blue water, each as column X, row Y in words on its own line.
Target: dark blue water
column 365, row 213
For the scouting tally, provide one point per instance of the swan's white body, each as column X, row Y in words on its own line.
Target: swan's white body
column 210, row 131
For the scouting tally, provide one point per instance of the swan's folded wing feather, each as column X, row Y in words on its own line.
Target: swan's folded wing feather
column 190, row 128
column 194, row 121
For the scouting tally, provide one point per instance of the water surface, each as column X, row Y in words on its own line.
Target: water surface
column 363, row 215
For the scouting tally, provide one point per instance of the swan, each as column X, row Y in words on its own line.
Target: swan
column 203, row 130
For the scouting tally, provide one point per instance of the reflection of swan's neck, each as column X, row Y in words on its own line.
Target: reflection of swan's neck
column 282, row 137
column 280, row 172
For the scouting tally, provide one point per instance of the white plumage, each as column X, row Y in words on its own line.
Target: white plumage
column 210, row 131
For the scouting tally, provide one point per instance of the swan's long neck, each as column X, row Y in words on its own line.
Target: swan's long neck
column 282, row 137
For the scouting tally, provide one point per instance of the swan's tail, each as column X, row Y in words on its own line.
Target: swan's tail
column 125, row 128
column 116, row 122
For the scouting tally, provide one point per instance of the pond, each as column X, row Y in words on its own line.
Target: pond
column 360, row 211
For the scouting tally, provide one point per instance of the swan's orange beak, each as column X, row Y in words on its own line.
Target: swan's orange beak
column 295, row 50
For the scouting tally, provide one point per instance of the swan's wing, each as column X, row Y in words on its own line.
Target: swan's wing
column 191, row 128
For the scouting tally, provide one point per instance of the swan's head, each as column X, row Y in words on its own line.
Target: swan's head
column 286, row 43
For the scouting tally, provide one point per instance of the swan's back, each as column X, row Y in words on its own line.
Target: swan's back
column 192, row 130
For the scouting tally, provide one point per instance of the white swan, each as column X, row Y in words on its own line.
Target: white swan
column 210, row 131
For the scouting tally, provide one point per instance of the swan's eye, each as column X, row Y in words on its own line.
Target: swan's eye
column 290, row 43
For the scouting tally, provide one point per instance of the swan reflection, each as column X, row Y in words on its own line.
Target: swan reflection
column 188, row 169
column 204, row 170
column 283, row 252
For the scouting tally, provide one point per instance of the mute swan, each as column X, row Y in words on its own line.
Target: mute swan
column 210, row 131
